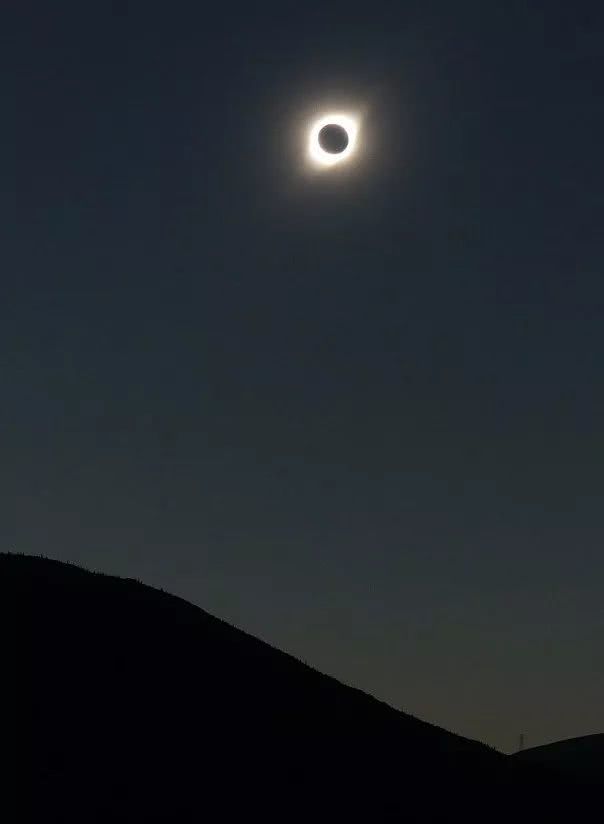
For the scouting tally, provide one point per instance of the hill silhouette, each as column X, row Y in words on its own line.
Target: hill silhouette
column 144, row 708
column 580, row 757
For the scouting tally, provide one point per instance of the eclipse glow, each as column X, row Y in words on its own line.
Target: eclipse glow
column 324, row 158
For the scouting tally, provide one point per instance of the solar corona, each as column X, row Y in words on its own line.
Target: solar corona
column 333, row 139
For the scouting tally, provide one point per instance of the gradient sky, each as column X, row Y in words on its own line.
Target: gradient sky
column 359, row 416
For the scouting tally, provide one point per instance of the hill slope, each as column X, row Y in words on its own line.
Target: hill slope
column 146, row 708
column 581, row 757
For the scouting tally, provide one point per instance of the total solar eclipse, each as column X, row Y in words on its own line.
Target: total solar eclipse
column 333, row 139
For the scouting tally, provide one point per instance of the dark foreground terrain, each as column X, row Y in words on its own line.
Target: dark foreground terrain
column 581, row 758
column 142, row 707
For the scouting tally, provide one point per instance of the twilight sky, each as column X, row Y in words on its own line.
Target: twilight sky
column 359, row 414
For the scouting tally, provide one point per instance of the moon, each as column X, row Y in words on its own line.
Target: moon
column 333, row 139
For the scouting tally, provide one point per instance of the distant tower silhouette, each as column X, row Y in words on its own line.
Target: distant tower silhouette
column 521, row 742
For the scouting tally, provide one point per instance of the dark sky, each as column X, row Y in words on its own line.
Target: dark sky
column 357, row 414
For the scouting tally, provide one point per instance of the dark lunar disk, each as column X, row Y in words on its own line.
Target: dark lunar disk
column 333, row 138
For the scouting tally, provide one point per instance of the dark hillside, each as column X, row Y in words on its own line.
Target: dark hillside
column 580, row 757
column 146, row 708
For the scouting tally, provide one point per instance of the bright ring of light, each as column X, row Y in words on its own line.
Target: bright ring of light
column 317, row 154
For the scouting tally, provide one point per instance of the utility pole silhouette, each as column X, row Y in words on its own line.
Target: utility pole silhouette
column 521, row 742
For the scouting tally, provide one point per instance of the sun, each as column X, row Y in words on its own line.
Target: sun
column 333, row 139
